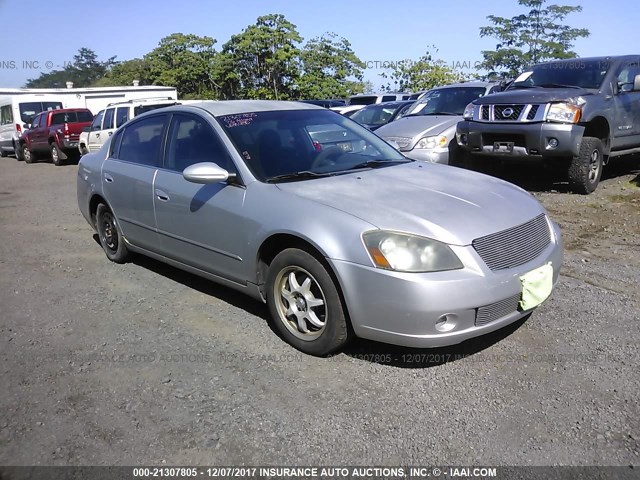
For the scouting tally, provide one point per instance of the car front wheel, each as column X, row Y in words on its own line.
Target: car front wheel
column 585, row 169
column 305, row 304
column 109, row 234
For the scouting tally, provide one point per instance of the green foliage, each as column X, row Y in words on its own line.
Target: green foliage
column 261, row 62
column 124, row 73
column 83, row 72
column 540, row 34
column 185, row 62
column 422, row 74
column 330, row 69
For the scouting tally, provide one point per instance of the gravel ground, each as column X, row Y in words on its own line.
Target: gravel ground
column 144, row 364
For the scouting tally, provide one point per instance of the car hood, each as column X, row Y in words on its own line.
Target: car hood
column 532, row 95
column 445, row 203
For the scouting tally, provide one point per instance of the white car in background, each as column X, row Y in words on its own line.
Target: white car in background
column 348, row 110
column 114, row 116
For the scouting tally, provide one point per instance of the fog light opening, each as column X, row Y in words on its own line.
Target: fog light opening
column 446, row 322
column 553, row 143
column 463, row 139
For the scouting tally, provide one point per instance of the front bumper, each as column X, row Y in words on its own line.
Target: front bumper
column 529, row 140
column 409, row 308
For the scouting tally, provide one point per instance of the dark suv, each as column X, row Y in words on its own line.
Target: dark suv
column 581, row 112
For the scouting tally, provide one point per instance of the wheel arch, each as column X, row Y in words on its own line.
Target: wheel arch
column 95, row 200
column 599, row 127
column 278, row 242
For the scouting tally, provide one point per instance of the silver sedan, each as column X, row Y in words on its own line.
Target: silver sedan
column 339, row 233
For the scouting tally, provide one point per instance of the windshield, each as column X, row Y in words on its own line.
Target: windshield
column 276, row 143
column 28, row 110
column 572, row 73
column 446, row 101
column 376, row 114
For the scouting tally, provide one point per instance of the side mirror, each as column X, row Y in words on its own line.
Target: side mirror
column 206, row 172
column 636, row 83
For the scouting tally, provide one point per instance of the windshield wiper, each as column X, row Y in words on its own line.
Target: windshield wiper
column 298, row 176
column 378, row 163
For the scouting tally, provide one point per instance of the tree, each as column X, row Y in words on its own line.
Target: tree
column 124, row 73
column 83, row 72
column 182, row 61
column 261, row 62
column 423, row 74
column 330, row 68
column 538, row 35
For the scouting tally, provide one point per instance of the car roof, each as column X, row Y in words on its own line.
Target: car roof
column 467, row 84
column 232, row 107
column 65, row 110
column 393, row 103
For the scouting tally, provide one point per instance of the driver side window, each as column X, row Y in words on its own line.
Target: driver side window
column 192, row 140
column 627, row 75
column 97, row 121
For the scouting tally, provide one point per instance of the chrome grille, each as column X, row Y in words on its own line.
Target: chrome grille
column 497, row 310
column 514, row 246
column 510, row 113
column 507, row 112
column 402, row 142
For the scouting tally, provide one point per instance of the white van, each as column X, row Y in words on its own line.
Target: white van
column 18, row 110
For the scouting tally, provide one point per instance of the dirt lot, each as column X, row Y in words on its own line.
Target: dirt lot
column 143, row 364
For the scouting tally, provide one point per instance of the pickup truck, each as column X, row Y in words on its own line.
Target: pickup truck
column 576, row 113
column 55, row 132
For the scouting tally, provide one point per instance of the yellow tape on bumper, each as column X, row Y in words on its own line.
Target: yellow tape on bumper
column 536, row 287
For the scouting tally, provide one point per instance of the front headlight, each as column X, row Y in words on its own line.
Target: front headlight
column 564, row 112
column 469, row 111
column 409, row 253
column 429, row 143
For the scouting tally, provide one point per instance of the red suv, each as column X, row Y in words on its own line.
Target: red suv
column 55, row 132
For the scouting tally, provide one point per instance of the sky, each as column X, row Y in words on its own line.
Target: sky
column 378, row 31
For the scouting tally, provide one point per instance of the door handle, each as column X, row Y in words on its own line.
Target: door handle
column 108, row 178
column 110, row 133
column 97, row 134
column 162, row 195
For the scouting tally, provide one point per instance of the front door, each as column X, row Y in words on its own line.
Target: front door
column 200, row 225
column 94, row 142
column 128, row 175
column 627, row 106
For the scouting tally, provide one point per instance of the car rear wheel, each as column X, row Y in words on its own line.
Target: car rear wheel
column 28, row 155
column 56, row 155
column 585, row 169
column 18, row 152
column 109, row 234
column 305, row 304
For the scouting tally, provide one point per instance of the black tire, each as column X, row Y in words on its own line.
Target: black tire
column 18, row 152
column 585, row 170
column 3, row 154
column 28, row 155
column 318, row 340
column 57, row 156
column 109, row 234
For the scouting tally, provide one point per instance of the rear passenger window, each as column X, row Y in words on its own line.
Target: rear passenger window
column 122, row 115
column 141, row 141
column 6, row 115
column 108, row 118
column 388, row 98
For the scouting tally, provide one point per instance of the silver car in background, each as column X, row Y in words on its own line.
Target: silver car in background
column 313, row 214
column 428, row 131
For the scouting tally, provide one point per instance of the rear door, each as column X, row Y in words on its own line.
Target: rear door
column 200, row 225
column 128, row 175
